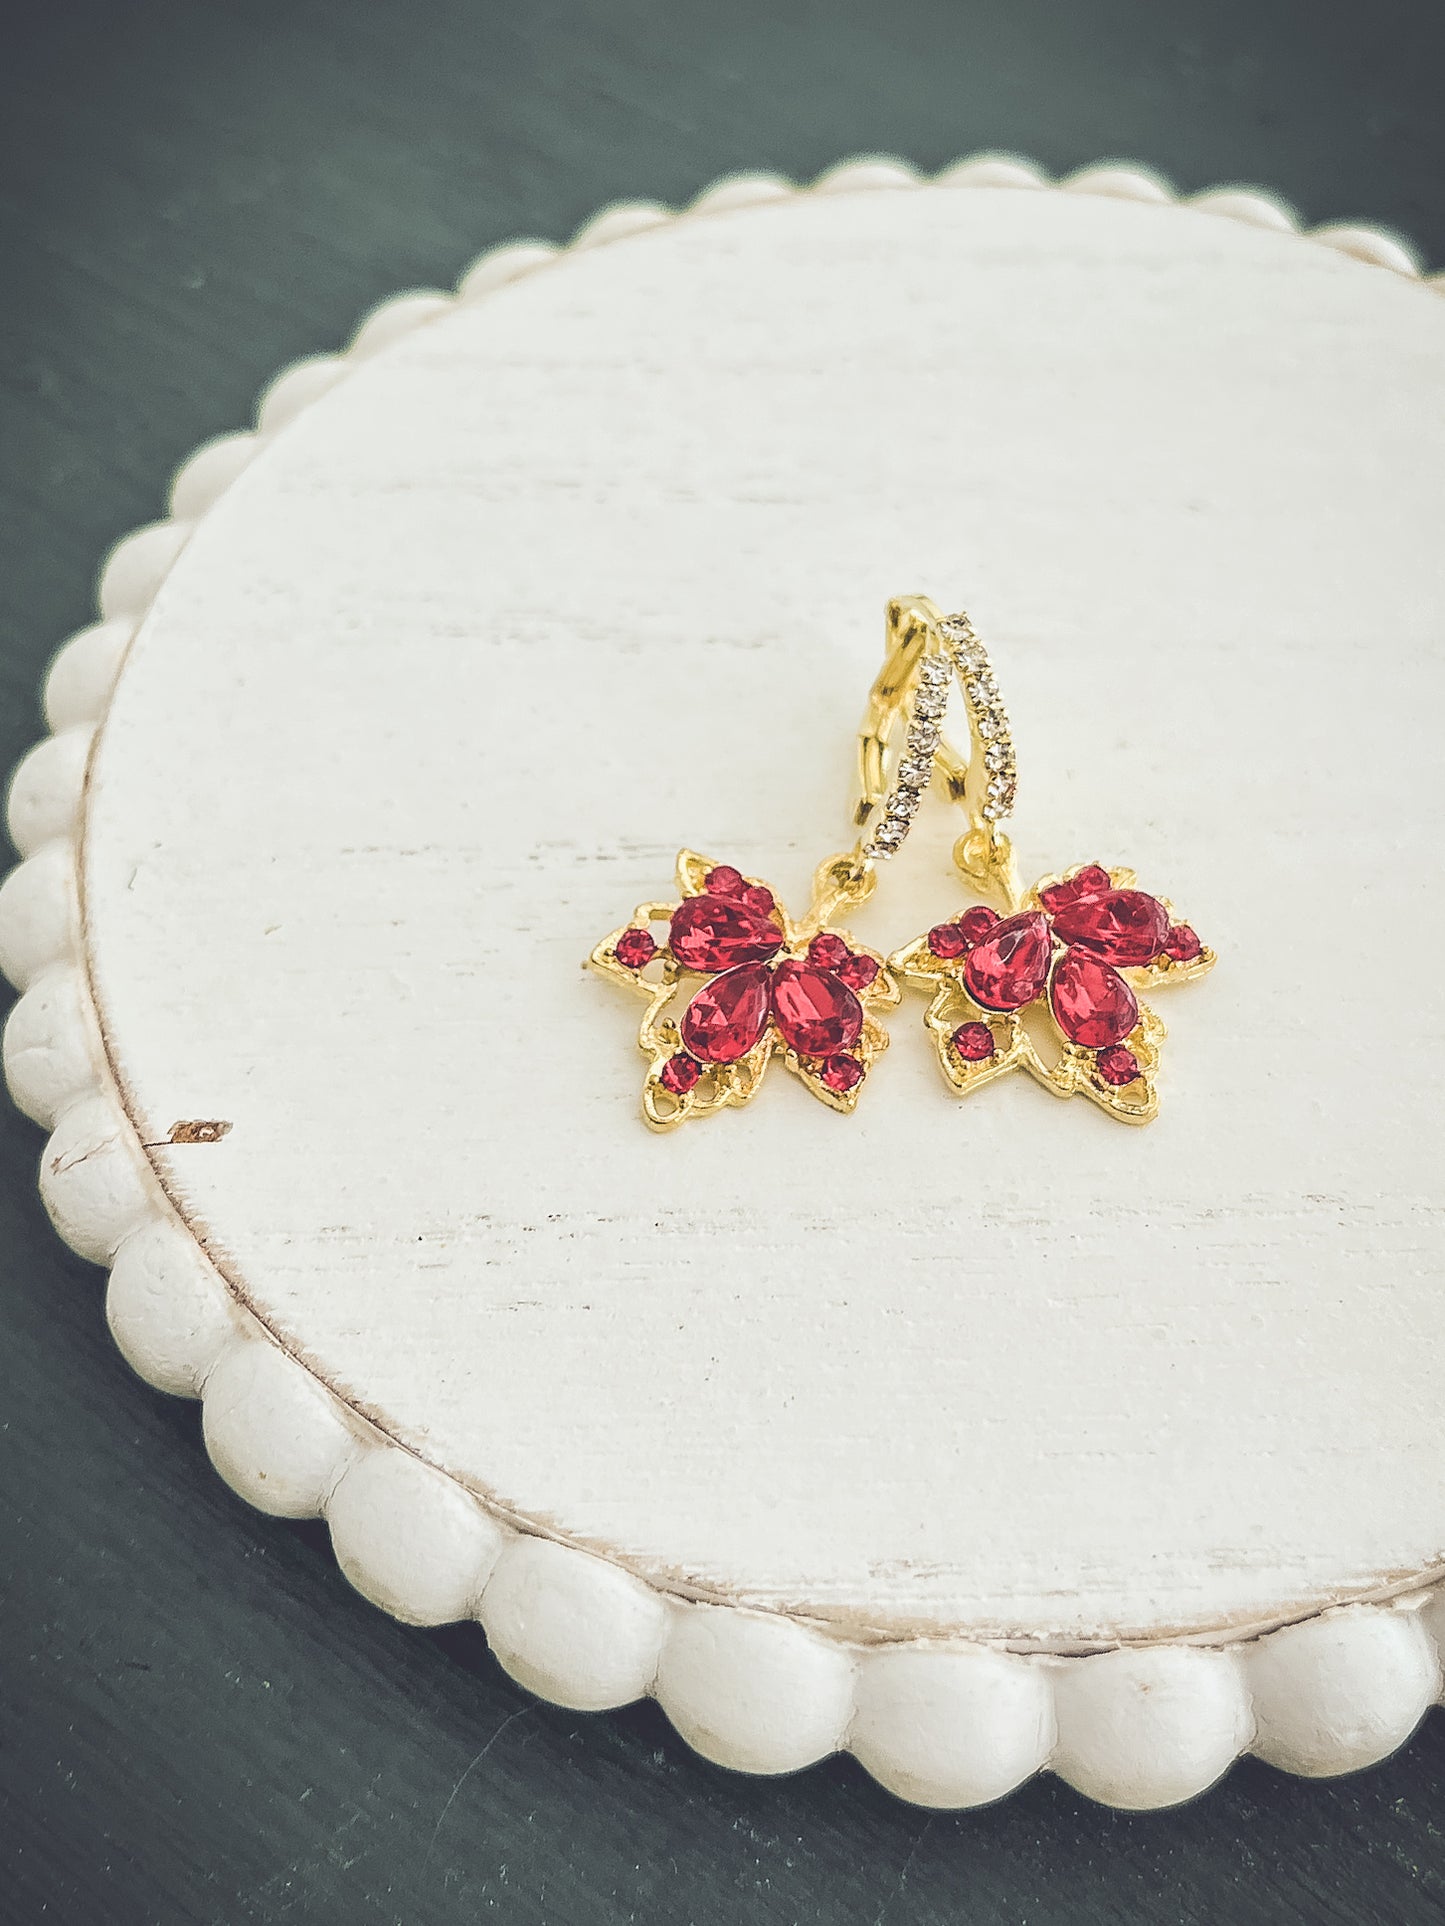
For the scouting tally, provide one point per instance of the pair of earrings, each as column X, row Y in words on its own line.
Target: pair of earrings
column 731, row 981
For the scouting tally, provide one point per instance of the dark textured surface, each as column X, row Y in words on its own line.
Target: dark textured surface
column 199, row 1721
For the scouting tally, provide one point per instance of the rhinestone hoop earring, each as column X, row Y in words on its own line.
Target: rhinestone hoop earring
column 1076, row 949
column 731, row 981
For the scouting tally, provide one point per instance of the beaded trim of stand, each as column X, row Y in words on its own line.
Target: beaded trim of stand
column 944, row 1723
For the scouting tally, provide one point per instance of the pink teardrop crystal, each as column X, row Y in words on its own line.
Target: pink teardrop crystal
column 817, row 1015
column 716, row 933
column 1123, row 926
column 1010, row 967
column 727, row 1016
column 1091, row 1002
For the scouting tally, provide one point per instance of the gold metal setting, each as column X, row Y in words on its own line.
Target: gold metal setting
column 840, row 883
column 1029, row 1036
column 1045, row 980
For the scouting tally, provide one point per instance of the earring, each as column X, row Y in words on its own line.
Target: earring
column 731, row 981
column 1076, row 948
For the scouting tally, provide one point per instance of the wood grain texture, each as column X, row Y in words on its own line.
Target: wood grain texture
column 367, row 1772
column 1091, row 1388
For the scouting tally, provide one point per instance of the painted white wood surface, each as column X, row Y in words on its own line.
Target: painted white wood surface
column 595, row 566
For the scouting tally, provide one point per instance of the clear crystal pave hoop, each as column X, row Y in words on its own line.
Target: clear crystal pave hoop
column 926, row 652
column 1045, row 980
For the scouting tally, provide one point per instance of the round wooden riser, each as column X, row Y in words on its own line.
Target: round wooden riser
column 978, row 1437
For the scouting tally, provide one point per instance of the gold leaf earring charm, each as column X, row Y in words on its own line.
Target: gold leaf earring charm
column 1076, row 949
column 731, row 982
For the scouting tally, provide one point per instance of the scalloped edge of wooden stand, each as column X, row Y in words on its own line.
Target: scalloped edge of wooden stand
column 941, row 1722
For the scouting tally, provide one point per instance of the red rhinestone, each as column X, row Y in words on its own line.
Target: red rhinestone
column 711, row 933
column 841, row 1072
column 1122, row 926
column 947, row 940
column 816, row 1014
column 827, row 951
column 679, row 1074
column 760, row 899
column 635, row 949
column 1117, row 1065
column 974, row 1042
column 1010, row 967
column 727, row 1016
column 976, row 923
column 1092, row 1004
column 1090, row 880
column 857, row 971
column 726, row 881
column 1182, row 944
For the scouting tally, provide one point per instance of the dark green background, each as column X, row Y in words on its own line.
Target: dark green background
column 199, row 1721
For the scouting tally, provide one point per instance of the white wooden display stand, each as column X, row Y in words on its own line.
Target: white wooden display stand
column 975, row 1437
